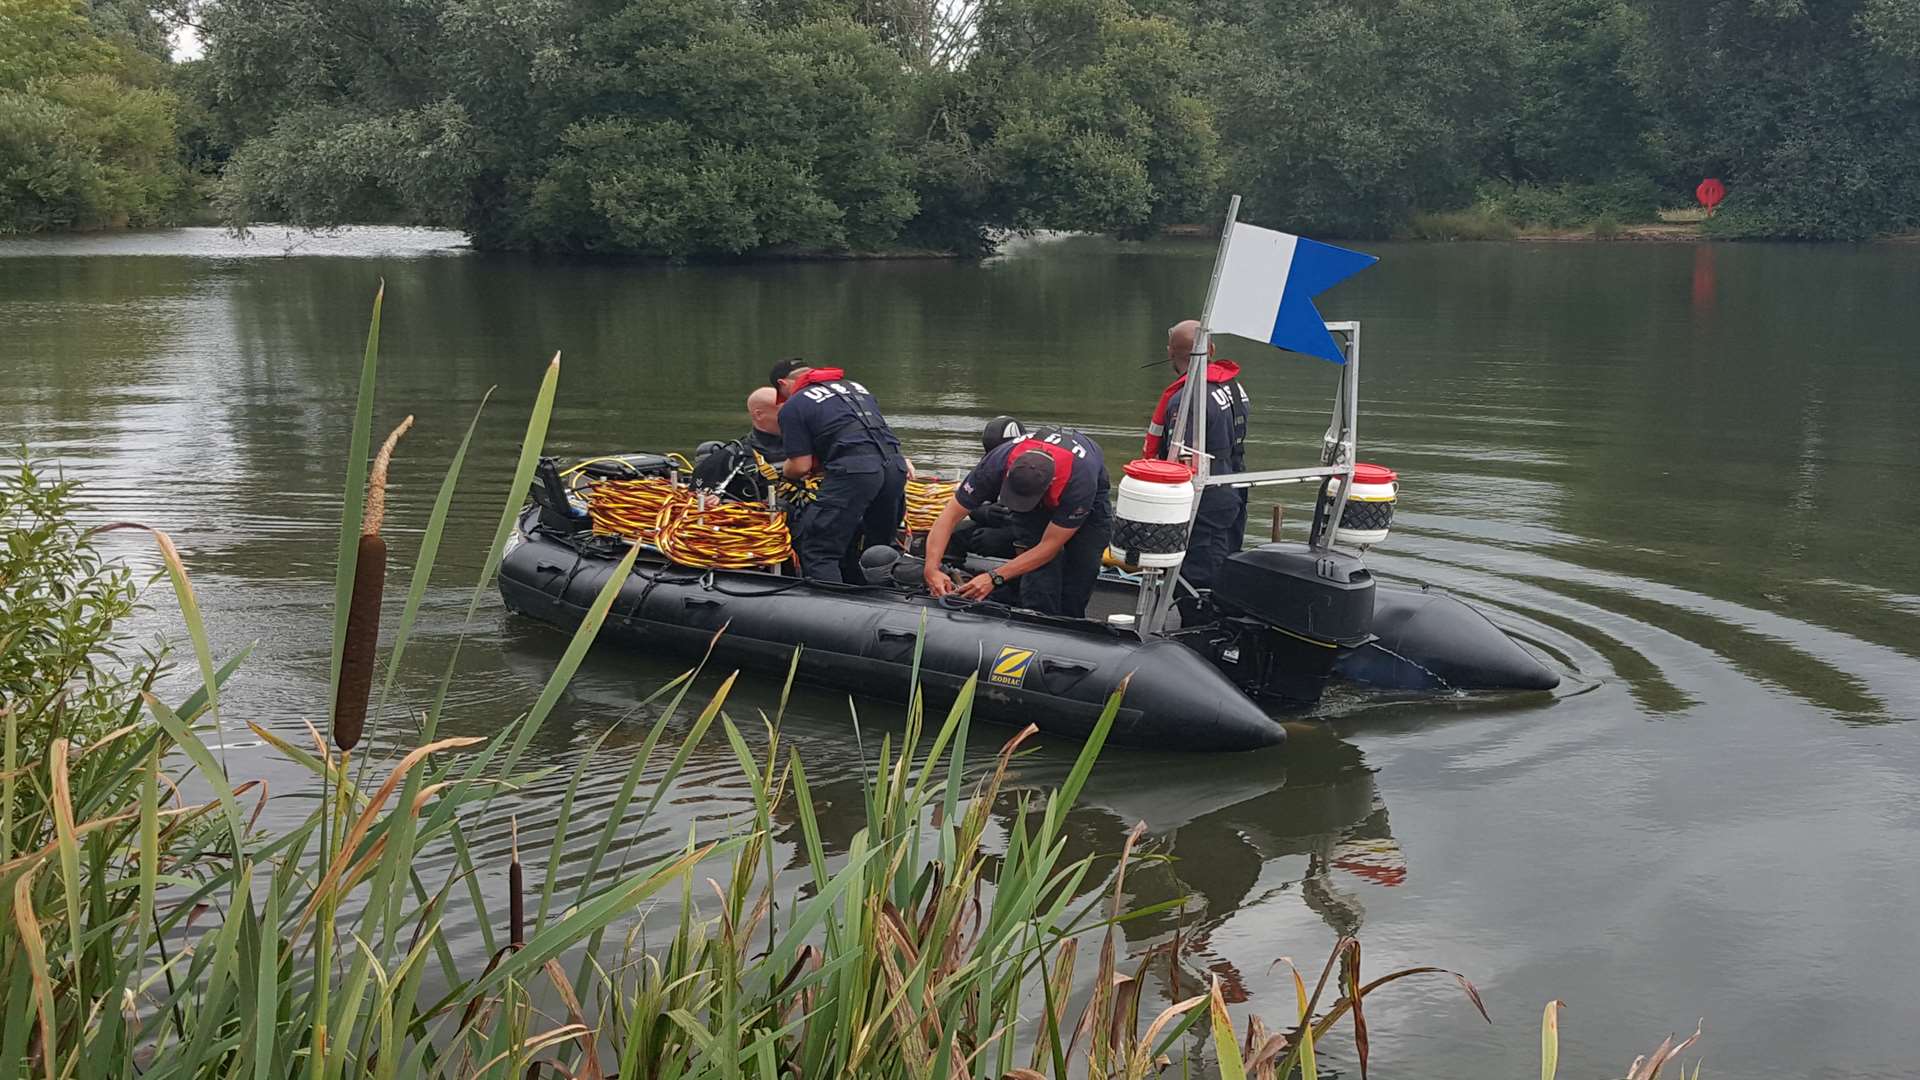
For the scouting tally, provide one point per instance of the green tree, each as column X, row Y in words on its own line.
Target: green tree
column 1580, row 111
column 687, row 127
column 1068, row 114
column 1346, row 116
column 86, row 122
column 697, row 130
column 670, row 128
column 1810, row 111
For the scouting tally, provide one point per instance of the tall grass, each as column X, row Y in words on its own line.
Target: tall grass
column 146, row 933
column 1481, row 221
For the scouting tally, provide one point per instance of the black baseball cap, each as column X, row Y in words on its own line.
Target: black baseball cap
column 1028, row 477
column 999, row 430
column 785, row 369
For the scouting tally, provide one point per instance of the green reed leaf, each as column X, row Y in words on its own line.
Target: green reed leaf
column 354, row 498
column 429, row 552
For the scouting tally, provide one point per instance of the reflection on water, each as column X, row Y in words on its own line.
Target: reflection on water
column 1680, row 471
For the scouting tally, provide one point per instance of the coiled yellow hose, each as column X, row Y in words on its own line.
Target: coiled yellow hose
column 925, row 500
column 724, row 536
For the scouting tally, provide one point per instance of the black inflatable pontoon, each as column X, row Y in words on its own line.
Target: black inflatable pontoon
column 1297, row 618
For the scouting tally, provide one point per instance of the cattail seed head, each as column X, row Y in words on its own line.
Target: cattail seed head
column 363, row 610
column 516, row 893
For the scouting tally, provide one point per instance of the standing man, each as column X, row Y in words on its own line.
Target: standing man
column 831, row 424
column 1221, row 526
column 1054, row 482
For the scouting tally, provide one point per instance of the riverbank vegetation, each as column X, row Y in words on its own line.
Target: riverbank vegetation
column 89, row 118
column 151, row 924
column 713, row 127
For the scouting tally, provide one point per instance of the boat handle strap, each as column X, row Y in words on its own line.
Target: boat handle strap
column 1048, row 663
column 888, row 633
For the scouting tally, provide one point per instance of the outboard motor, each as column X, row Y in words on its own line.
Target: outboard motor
column 1288, row 612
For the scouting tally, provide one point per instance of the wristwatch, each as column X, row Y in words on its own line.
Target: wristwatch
column 996, row 579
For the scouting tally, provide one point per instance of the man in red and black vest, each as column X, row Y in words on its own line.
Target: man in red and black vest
column 831, row 424
column 1221, row 526
column 1053, row 481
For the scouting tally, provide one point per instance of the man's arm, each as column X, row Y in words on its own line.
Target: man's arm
column 797, row 468
column 938, row 583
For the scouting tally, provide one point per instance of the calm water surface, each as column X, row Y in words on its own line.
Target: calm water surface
column 1685, row 472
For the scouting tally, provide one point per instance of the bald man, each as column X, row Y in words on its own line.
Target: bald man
column 1221, row 527
column 732, row 469
column 763, row 412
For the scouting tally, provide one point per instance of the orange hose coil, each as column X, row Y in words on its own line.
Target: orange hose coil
column 632, row 508
column 726, row 536
column 668, row 517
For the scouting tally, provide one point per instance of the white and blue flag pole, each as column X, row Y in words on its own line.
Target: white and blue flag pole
column 1266, row 283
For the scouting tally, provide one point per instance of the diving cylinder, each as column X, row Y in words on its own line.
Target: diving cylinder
column 1368, row 515
column 1151, row 516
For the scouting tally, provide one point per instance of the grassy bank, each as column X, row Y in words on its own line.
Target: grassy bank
column 146, row 930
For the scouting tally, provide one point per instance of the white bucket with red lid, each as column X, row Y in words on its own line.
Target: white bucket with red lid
column 1368, row 516
column 1152, row 513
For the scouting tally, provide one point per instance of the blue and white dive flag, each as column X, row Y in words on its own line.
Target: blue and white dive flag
column 1267, row 285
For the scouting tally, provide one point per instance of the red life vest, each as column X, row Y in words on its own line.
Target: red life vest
column 813, row 377
column 1062, row 466
column 1218, row 371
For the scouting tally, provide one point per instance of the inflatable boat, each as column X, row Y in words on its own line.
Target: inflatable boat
column 1287, row 620
column 1280, row 623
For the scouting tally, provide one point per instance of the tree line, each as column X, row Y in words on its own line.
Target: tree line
column 723, row 127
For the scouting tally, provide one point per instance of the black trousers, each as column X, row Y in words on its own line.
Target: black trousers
column 853, row 512
column 1063, row 586
column 1219, row 530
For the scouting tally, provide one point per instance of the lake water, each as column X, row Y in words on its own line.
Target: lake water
column 1685, row 471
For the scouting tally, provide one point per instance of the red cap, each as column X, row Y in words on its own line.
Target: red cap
column 1364, row 473
column 1159, row 472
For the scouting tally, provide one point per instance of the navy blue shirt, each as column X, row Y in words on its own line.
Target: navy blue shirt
column 1226, row 424
column 839, row 424
column 1087, row 484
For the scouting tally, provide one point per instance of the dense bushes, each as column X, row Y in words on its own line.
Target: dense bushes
column 1349, row 117
column 66, row 669
column 1809, row 111
column 1345, row 118
column 86, row 135
column 716, row 127
column 685, row 127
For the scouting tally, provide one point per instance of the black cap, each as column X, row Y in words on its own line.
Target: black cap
column 785, row 369
column 999, row 430
column 1028, row 477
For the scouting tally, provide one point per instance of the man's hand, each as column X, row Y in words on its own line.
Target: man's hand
column 938, row 583
column 978, row 587
column 797, row 467
column 991, row 515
